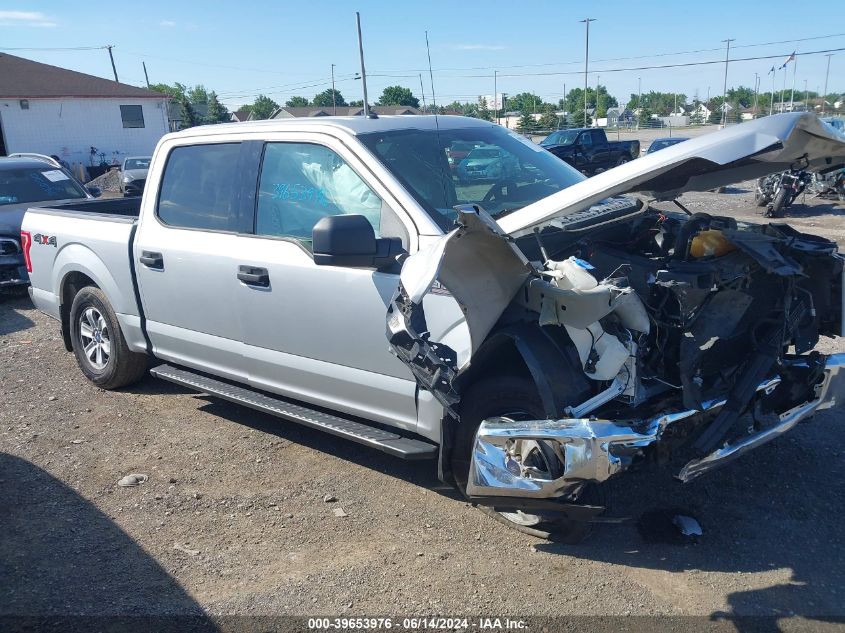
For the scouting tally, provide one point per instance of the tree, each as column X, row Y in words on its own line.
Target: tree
column 263, row 107
column 644, row 117
column 526, row 122
column 297, row 102
column 324, row 99
column 189, row 117
column 397, row 95
column 576, row 117
column 549, row 120
column 716, row 107
column 217, row 113
column 356, row 104
column 525, row 102
column 177, row 90
column 483, row 111
column 198, row 94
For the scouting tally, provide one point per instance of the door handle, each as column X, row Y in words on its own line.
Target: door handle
column 254, row 276
column 152, row 260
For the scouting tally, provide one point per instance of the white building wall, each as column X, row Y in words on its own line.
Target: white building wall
column 68, row 127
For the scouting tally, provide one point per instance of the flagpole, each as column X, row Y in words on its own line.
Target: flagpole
column 783, row 91
column 792, row 94
column 772, row 102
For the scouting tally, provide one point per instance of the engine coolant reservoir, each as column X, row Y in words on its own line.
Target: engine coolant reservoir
column 572, row 274
column 710, row 243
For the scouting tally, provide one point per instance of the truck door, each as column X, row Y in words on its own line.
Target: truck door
column 601, row 150
column 183, row 257
column 317, row 333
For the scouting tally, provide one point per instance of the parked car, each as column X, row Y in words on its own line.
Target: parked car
column 133, row 175
column 564, row 335
column 458, row 151
column 589, row 151
column 663, row 143
column 487, row 163
column 26, row 181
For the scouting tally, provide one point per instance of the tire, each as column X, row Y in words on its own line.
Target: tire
column 778, row 204
column 516, row 397
column 98, row 343
column 622, row 160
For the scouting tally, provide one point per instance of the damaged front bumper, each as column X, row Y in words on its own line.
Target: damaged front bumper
column 592, row 450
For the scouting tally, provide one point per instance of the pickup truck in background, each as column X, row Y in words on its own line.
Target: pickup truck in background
column 537, row 335
column 589, row 151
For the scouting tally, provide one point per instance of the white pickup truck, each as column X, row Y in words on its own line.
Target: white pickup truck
column 544, row 332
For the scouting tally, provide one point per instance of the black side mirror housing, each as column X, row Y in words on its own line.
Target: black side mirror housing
column 94, row 191
column 349, row 240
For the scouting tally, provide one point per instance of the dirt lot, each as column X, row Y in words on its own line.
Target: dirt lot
column 233, row 520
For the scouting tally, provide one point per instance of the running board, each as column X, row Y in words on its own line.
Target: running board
column 387, row 441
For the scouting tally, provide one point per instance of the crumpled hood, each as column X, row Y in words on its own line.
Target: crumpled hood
column 740, row 152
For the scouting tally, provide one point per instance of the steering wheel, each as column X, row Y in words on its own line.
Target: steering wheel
column 499, row 192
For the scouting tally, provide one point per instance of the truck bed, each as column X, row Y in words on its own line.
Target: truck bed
column 116, row 207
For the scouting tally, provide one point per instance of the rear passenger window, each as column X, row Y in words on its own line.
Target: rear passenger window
column 302, row 183
column 198, row 190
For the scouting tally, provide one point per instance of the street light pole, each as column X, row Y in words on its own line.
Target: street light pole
column 495, row 88
column 756, row 83
column 334, row 99
column 725, row 87
column 826, row 74
column 586, row 21
column 639, row 99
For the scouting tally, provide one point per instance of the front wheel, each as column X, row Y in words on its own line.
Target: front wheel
column 779, row 204
column 622, row 160
column 98, row 344
column 517, row 399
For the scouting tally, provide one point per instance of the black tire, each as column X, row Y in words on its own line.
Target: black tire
column 778, row 204
column 510, row 396
column 622, row 160
column 94, row 330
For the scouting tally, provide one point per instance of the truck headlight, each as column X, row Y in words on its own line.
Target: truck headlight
column 127, row 178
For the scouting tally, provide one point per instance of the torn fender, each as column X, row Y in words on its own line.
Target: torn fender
column 482, row 269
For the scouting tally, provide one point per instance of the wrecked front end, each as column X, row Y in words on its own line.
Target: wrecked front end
column 690, row 336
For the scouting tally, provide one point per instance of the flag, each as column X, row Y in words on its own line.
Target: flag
column 791, row 58
column 772, row 70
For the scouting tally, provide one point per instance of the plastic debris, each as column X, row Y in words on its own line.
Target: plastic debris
column 132, row 480
column 687, row 525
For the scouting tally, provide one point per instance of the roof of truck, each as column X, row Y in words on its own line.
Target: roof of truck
column 349, row 124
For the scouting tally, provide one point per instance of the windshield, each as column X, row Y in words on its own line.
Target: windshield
column 564, row 137
column 521, row 174
column 664, row 143
column 29, row 184
column 136, row 163
column 483, row 153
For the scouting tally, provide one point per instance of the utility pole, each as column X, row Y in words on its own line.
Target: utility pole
column 363, row 70
column 422, row 90
column 586, row 21
column 111, row 57
column 146, row 76
column 598, row 83
column 756, row 83
column 639, row 99
column 806, row 96
column 772, row 104
column 334, row 99
column 826, row 74
column 725, row 87
column 495, row 89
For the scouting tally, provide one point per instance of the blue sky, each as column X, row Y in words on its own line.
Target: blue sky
column 241, row 49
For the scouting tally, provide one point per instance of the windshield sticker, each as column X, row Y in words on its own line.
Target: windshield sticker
column 55, row 175
column 299, row 192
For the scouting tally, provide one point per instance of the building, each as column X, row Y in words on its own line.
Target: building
column 80, row 118
column 306, row 111
column 239, row 116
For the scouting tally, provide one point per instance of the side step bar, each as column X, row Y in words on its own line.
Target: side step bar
column 387, row 441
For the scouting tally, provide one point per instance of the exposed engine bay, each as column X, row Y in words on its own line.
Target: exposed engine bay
column 680, row 323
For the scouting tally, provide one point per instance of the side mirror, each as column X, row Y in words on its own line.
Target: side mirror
column 349, row 240
column 94, row 191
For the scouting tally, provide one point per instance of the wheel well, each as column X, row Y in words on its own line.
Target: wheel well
column 71, row 285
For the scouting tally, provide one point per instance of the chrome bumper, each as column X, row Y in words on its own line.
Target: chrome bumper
column 590, row 450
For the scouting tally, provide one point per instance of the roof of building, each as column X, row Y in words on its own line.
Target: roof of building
column 25, row 79
column 240, row 115
column 349, row 124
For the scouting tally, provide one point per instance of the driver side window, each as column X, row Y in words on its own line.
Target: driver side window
column 302, row 183
column 586, row 139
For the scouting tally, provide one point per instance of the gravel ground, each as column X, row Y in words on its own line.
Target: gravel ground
column 232, row 519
